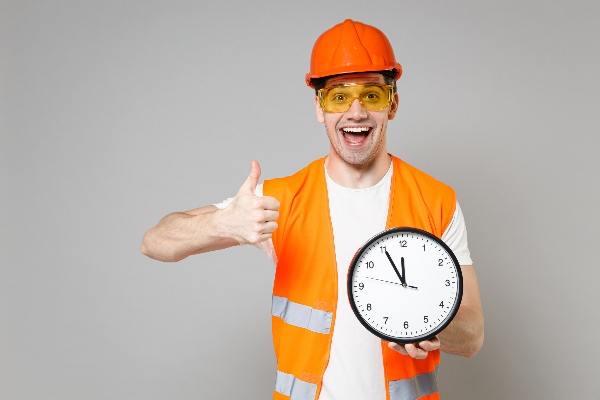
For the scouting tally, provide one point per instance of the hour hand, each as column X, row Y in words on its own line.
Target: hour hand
column 396, row 269
column 403, row 271
column 404, row 274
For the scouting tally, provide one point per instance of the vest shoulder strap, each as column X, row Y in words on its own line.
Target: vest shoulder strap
column 419, row 200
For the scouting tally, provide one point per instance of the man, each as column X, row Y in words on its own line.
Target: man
column 310, row 225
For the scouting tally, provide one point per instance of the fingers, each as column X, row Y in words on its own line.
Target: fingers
column 270, row 215
column 413, row 350
column 262, row 234
column 397, row 347
column 409, row 350
column 268, row 228
column 249, row 222
column 430, row 345
column 264, row 237
column 261, row 208
column 250, row 219
column 269, row 203
column 249, row 186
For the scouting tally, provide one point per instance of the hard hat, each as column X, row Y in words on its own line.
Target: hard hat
column 351, row 47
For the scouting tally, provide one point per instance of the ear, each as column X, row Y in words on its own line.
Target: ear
column 319, row 111
column 394, row 107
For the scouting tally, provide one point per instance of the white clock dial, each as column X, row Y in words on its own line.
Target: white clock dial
column 405, row 285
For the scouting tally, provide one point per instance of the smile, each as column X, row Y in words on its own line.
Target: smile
column 355, row 135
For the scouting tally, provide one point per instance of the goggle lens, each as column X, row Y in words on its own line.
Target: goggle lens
column 340, row 98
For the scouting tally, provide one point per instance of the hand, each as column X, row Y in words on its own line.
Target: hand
column 416, row 350
column 250, row 219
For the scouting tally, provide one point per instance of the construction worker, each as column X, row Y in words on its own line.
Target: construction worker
column 310, row 225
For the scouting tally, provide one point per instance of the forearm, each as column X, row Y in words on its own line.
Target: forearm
column 179, row 235
column 464, row 335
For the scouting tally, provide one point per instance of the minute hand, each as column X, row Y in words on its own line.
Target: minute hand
column 395, row 269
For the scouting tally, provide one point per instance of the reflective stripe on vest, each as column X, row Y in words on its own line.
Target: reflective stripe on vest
column 415, row 387
column 296, row 314
column 294, row 388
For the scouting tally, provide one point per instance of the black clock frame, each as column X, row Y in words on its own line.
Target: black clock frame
column 452, row 312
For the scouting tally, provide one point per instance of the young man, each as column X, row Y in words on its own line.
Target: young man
column 311, row 223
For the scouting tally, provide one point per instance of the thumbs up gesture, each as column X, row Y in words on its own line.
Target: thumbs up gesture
column 251, row 219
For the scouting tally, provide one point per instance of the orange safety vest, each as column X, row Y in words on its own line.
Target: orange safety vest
column 305, row 290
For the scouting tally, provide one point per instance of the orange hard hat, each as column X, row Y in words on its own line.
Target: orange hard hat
column 351, row 47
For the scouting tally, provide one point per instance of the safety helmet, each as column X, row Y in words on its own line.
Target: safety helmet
column 351, row 47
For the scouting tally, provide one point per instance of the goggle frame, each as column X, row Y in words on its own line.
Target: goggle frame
column 369, row 107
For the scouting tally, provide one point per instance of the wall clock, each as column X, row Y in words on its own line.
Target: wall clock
column 405, row 285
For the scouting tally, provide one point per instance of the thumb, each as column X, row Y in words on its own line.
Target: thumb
column 249, row 187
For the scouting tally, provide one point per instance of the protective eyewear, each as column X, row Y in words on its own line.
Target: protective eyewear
column 372, row 97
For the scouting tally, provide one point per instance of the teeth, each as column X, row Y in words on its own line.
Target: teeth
column 356, row 130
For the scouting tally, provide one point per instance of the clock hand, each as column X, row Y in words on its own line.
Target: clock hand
column 395, row 269
column 381, row 280
column 395, row 283
column 403, row 272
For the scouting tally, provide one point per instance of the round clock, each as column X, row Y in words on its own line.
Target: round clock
column 405, row 285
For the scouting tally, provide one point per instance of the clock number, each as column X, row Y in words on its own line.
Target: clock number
column 370, row 264
column 426, row 319
column 447, row 282
column 440, row 262
column 405, row 324
column 403, row 243
column 383, row 249
column 369, row 307
column 386, row 318
column 361, row 286
column 423, row 247
column 442, row 304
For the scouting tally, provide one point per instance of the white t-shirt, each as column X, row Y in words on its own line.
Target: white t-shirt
column 355, row 361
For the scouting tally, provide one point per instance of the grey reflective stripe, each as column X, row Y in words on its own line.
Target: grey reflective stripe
column 300, row 315
column 415, row 387
column 294, row 388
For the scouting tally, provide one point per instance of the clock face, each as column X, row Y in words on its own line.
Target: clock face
column 405, row 285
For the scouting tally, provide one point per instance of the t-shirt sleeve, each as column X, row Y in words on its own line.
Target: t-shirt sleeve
column 266, row 246
column 455, row 237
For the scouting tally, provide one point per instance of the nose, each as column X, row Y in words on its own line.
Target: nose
column 356, row 111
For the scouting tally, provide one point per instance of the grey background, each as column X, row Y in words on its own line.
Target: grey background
column 115, row 113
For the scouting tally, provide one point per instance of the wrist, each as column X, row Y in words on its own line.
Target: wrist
column 220, row 223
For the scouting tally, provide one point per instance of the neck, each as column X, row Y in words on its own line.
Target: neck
column 357, row 176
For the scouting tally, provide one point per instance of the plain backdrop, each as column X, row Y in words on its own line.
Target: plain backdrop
column 116, row 113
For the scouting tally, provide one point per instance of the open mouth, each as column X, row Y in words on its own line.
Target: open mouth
column 355, row 135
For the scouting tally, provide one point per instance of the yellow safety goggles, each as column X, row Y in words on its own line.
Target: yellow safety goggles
column 372, row 97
